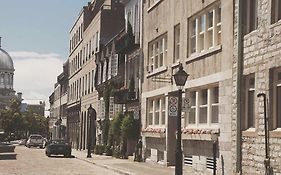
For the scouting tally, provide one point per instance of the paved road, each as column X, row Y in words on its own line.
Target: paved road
column 32, row 161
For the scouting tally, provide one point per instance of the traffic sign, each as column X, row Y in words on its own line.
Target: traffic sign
column 186, row 104
column 173, row 106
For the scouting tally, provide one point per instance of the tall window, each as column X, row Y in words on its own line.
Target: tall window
column 249, row 105
column 250, row 15
column 275, row 11
column 176, row 43
column 276, row 98
column 157, row 52
column 114, row 65
column 204, row 107
column 104, row 71
column 97, row 41
column 205, row 30
column 156, row 114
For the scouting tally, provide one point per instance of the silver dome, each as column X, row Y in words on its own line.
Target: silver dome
column 6, row 62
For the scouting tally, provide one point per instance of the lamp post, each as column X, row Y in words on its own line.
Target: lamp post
column 180, row 79
column 91, row 114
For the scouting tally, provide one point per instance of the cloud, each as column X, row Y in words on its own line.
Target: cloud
column 29, row 55
column 36, row 73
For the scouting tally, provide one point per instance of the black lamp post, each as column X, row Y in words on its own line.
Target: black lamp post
column 91, row 114
column 180, row 79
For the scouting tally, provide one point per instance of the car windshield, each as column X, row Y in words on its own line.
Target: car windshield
column 58, row 141
column 36, row 137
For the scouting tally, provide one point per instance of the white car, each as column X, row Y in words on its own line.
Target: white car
column 35, row 140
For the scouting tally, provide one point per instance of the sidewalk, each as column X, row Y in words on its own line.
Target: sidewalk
column 126, row 166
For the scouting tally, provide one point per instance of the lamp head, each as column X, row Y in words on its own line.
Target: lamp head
column 180, row 77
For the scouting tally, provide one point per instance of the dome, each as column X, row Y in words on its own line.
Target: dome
column 6, row 62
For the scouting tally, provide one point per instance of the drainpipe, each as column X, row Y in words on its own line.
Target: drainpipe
column 240, row 50
column 266, row 135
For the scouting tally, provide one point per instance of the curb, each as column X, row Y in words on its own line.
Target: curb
column 104, row 166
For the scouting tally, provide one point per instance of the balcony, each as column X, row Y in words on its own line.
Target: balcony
column 125, row 41
column 124, row 96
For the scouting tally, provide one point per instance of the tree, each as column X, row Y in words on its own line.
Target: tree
column 116, row 128
column 130, row 127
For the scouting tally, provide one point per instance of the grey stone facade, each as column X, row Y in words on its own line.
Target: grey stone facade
column 261, row 54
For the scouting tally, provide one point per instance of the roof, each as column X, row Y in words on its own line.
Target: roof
column 6, row 62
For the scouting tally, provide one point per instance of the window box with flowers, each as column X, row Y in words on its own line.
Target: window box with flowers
column 154, row 132
column 200, row 134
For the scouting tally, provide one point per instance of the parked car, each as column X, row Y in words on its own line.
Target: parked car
column 35, row 140
column 58, row 147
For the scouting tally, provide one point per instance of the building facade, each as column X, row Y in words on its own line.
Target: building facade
column 191, row 33
column 256, row 69
column 90, row 33
column 58, row 106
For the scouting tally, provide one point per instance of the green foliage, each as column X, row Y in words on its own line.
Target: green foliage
column 116, row 152
column 116, row 128
column 130, row 127
column 105, row 130
column 19, row 123
column 99, row 149
column 108, row 150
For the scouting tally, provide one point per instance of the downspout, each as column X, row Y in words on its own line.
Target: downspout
column 240, row 51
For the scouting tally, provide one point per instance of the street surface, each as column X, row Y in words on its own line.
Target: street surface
column 32, row 161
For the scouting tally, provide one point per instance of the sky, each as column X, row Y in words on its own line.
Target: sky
column 36, row 35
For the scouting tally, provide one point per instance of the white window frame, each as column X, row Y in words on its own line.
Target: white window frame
column 157, row 56
column 196, row 104
column 202, row 35
column 104, row 71
column 152, row 110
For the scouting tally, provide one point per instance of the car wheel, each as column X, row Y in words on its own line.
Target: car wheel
column 28, row 146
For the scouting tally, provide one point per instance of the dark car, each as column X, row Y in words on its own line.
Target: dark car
column 58, row 147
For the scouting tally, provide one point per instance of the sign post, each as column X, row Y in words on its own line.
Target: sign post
column 173, row 106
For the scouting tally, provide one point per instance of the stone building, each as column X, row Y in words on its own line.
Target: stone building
column 197, row 34
column 256, row 69
column 89, row 34
column 58, row 106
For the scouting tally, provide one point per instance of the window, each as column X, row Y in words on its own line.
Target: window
column 205, row 30
column 150, row 113
column 163, row 114
column 249, row 105
column 97, row 41
column 204, row 106
column 156, row 111
column 99, row 73
column 276, row 97
column 114, row 65
column 157, row 52
column 275, row 11
column 104, row 71
column 250, row 14
column 176, row 43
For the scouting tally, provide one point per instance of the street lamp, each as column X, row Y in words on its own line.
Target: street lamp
column 180, row 78
column 91, row 115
